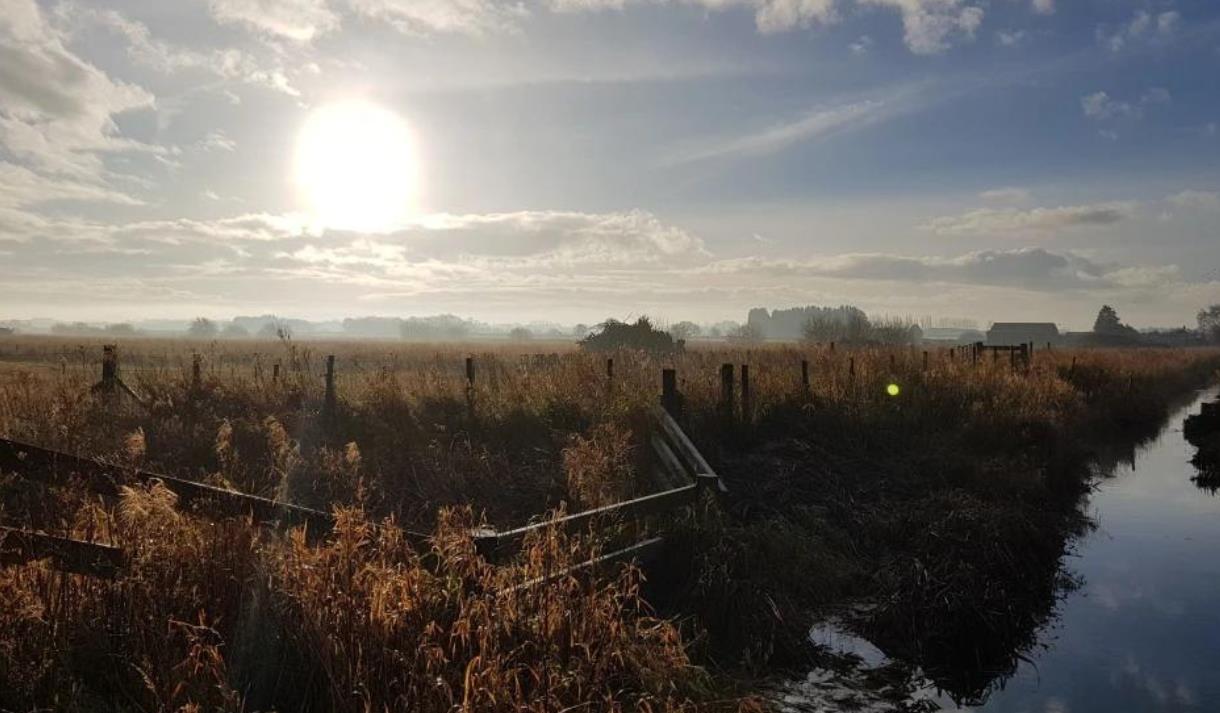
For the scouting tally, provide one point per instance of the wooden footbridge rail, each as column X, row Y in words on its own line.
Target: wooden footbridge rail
column 54, row 468
column 680, row 469
column 67, row 555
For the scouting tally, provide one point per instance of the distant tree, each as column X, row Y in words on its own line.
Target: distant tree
column 613, row 334
column 202, row 328
column 232, row 330
column 1107, row 321
column 520, row 334
column 1109, row 324
column 685, row 331
column 748, row 332
column 275, row 329
column 120, row 329
column 1209, row 324
column 580, row 331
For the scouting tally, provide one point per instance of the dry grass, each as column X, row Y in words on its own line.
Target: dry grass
column 220, row 616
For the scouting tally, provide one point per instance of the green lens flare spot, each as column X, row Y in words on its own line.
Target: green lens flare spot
column 893, row 390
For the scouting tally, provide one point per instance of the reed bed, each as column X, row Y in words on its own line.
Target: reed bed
column 841, row 492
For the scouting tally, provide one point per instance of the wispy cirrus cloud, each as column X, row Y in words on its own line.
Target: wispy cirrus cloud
column 821, row 123
column 1019, row 222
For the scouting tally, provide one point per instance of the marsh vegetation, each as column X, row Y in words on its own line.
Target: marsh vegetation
column 939, row 514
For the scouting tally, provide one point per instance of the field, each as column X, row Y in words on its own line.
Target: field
column 937, row 514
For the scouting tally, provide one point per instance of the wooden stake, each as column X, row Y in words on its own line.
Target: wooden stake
column 671, row 400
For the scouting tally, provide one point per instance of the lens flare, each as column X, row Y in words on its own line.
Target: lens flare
column 893, row 390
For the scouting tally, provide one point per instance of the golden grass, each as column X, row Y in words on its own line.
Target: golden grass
column 371, row 619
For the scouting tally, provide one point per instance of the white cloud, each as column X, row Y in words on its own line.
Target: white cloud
column 1044, row 7
column 1101, row 106
column 1011, row 38
column 163, row 57
column 1006, row 195
column 1167, row 22
column 1209, row 200
column 862, row 46
column 469, row 17
column 216, row 141
column 299, row 20
column 769, row 15
column 1141, row 25
column 1026, row 268
column 1013, row 221
column 56, row 109
column 778, row 15
column 929, row 25
column 821, row 123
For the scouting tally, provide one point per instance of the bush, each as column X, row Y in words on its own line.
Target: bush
column 641, row 336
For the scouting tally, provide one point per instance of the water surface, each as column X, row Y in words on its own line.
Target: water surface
column 1142, row 633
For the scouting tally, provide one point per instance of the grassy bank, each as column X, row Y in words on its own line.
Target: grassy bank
column 945, row 509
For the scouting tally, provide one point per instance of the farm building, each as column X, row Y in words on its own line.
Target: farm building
column 951, row 335
column 1014, row 333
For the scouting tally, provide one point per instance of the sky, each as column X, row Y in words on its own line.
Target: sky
column 571, row 160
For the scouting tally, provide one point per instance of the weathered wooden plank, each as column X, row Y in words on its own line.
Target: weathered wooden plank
column 54, row 467
column 494, row 545
column 76, row 556
column 684, row 448
column 671, row 472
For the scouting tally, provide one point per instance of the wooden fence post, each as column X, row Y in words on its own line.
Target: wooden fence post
column 110, row 368
column 851, row 367
column 470, row 386
column 726, row 390
column 805, row 377
column 196, row 377
column 925, row 361
column 275, row 372
column 745, row 393
column 328, row 405
column 832, row 347
column 671, row 400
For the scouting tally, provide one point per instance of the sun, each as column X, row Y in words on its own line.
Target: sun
column 356, row 167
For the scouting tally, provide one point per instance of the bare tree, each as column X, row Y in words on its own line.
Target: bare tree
column 202, row 328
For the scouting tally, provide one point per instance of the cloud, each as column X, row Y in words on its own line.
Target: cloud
column 421, row 17
column 821, row 123
column 1044, row 7
column 1006, row 195
column 21, row 188
column 299, row 20
column 1026, row 268
column 554, row 237
column 1011, row 38
column 1142, row 25
column 862, row 45
column 1010, row 221
column 55, row 108
column 166, row 58
column 770, row 16
column 216, row 141
column 1208, row 200
column 929, row 25
column 1101, row 106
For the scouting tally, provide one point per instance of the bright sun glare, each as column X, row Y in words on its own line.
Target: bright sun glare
column 356, row 167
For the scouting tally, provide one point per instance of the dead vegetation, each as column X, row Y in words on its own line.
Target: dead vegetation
column 966, row 483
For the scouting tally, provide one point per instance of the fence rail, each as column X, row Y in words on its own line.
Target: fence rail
column 55, row 467
column 68, row 555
